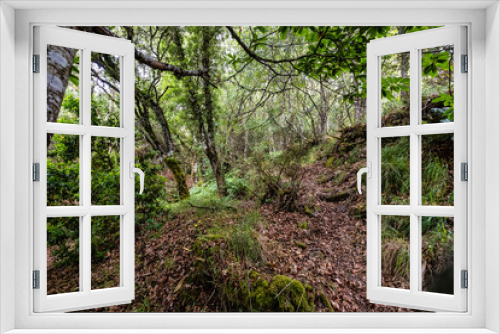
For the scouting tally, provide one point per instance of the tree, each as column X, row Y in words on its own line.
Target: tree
column 59, row 64
column 148, row 99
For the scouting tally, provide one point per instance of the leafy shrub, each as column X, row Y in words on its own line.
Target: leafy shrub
column 236, row 187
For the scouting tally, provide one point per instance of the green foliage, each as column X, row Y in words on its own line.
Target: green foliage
column 433, row 60
column 241, row 237
column 437, row 69
column 63, row 239
column 63, row 171
column 236, row 184
column 394, row 84
column 395, row 227
column 436, row 182
column 448, row 101
column 70, row 111
column 105, row 232
column 74, row 76
column 150, row 205
column 395, row 170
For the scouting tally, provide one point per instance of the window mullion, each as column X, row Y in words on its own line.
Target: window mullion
column 85, row 165
column 414, row 169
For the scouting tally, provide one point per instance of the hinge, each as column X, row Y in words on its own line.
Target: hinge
column 36, row 279
column 464, row 171
column 36, row 172
column 36, row 63
column 465, row 64
column 464, row 279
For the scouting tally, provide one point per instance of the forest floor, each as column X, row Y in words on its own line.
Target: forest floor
column 185, row 267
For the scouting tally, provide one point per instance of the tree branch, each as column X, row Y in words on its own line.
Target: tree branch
column 147, row 60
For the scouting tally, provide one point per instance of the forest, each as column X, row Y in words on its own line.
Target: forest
column 250, row 139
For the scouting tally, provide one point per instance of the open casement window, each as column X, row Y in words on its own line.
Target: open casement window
column 416, row 208
column 84, row 165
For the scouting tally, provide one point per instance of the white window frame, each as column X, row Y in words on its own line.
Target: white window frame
column 15, row 260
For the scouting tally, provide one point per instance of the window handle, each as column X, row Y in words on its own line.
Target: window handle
column 368, row 171
column 133, row 171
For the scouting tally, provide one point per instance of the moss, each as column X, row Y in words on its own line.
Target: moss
column 300, row 244
column 179, row 176
column 324, row 300
column 281, row 294
column 308, row 211
column 261, row 297
column 254, row 275
column 340, row 177
column 324, row 178
column 329, row 162
column 303, row 225
column 291, row 295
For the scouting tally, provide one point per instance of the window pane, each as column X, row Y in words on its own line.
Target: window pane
column 395, row 246
column 437, row 84
column 437, row 169
column 395, row 89
column 63, row 93
column 105, row 171
column 105, row 252
column 105, row 89
column 437, row 254
column 395, row 171
column 63, row 170
column 63, row 255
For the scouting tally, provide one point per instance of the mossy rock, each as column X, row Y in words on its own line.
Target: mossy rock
column 281, row 294
column 291, row 295
column 303, row 225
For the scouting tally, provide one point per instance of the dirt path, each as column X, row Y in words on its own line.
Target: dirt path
column 330, row 253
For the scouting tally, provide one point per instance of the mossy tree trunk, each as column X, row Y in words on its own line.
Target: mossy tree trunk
column 148, row 101
column 179, row 176
column 202, row 107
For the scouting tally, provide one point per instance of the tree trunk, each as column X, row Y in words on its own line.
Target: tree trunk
column 179, row 176
column 167, row 145
column 59, row 63
column 270, row 134
column 209, row 135
column 245, row 148
column 206, row 134
column 323, row 112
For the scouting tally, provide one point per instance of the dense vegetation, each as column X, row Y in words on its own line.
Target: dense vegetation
column 250, row 138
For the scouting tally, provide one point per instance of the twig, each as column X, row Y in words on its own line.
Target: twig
column 284, row 289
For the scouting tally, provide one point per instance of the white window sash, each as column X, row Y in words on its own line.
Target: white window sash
column 413, row 43
column 86, row 297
